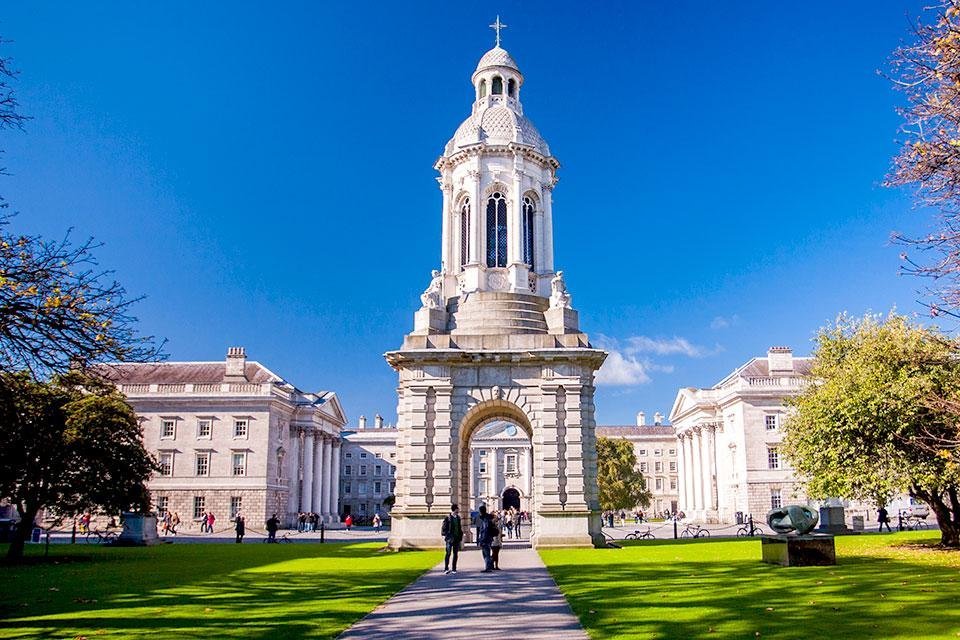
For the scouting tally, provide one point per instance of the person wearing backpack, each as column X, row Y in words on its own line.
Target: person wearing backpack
column 452, row 532
column 485, row 530
column 496, row 541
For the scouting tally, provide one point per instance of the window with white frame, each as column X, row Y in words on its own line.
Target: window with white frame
column 497, row 230
column 776, row 499
column 672, row 452
column 378, row 470
column 346, row 487
column 378, row 455
column 673, row 466
column 168, row 429
column 643, row 467
column 483, row 466
column 773, row 458
column 673, row 484
column 393, row 455
column 363, row 455
column 166, row 463
column 658, row 452
column 362, row 488
column 376, row 488
column 236, row 504
column 363, row 508
column 659, row 484
column 239, row 463
column 391, row 470
column 348, row 455
column 642, row 452
column 658, row 466
column 483, row 486
column 203, row 463
column 511, row 463
column 204, row 428
column 199, row 507
column 363, row 469
column 163, row 503
column 347, row 469
column 483, row 453
column 770, row 421
column 240, row 428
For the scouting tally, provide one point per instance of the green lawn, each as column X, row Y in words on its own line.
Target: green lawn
column 889, row 586
column 201, row 590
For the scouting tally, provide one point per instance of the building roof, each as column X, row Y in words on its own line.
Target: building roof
column 497, row 125
column 615, row 431
column 187, row 372
column 497, row 57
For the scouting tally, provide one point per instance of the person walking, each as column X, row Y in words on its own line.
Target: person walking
column 272, row 525
column 174, row 523
column 496, row 540
column 516, row 524
column 348, row 521
column 210, row 520
column 883, row 518
column 377, row 522
column 485, row 538
column 240, row 528
column 452, row 532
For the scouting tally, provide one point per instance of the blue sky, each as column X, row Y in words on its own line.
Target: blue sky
column 263, row 174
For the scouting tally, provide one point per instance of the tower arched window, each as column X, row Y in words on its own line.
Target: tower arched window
column 496, row 230
column 465, row 232
column 511, row 88
column 529, row 209
column 483, row 88
column 497, row 85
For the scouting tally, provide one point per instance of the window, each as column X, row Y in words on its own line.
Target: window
column 168, row 429
column 199, row 507
column 239, row 428
column 673, row 484
column 483, row 88
column 363, row 455
column 376, row 488
column 204, row 428
column 363, row 469
column 236, row 504
column 527, row 225
column 776, row 500
column 347, row 469
column 348, row 455
column 393, row 487
column 483, row 486
column 497, row 86
column 346, row 487
column 770, row 421
column 672, row 452
column 511, row 463
column 390, row 471
column 378, row 470
column 773, row 458
column 163, row 503
column 511, row 87
column 483, row 466
column 378, row 507
column 658, row 466
column 393, row 455
column 658, row 452
column 166, row 464
column 240, row 463
column 465, row 232
column 203, row 463
column 483, row 452
column 363, row 508
column 673, row 466
column 659, row 484
column 362, row 488
column 378, row 456
column 643, row 467
column 642, row 452
column 497, row 230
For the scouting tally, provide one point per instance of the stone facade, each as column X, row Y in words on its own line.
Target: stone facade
column 496, row 338
column 501, row 467
column 232, row 435
column 655, row 447
column 367, row 468
column 728, row 437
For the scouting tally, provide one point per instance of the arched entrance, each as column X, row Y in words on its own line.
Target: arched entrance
column 510, row 499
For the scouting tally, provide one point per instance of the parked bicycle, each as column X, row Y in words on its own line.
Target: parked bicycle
column 694, row 531
column 912, row 523
column 101, row 537
column 646, row 534
column 749, row 529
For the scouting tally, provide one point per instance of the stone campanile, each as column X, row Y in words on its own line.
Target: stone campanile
column 496, row 337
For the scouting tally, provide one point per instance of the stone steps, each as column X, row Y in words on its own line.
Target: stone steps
column 496, row 313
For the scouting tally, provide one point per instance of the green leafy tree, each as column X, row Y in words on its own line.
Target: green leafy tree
column 621, row 484
column 69, row 445
column 880, row 416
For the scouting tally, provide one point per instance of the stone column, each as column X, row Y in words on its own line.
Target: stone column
column 697, row 470
column 688, row 472
column 477, row 209
column 681, row 470
column 446, row 228
column 306, row 493
column 712, row 465
column 293, row 475
column 318, row 479
column 515, row 218
column 327, row 501
column 336, row 479
column 548, row 227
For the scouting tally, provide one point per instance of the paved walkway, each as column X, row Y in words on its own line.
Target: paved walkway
column 475, row 605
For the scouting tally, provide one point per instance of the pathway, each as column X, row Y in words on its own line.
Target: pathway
column 475, row 605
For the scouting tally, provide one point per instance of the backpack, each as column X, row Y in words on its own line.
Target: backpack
column 445, row 527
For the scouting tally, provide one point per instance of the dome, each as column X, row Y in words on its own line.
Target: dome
column 496, row 57
column 497, row 125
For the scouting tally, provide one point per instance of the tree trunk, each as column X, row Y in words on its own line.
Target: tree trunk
column 22, row 534
column 949, row 531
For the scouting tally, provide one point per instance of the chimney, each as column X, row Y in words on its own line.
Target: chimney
column 362, row 423
column 236, row 364
column 641, row 418
column 378, row 422
column 657, row 419
column 780, row 359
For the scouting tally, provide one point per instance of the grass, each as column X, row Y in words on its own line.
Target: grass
column 890, row 586
column 201, row 590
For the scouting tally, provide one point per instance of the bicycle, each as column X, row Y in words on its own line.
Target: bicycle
column 694, row 531
column 101, row 537
column 748, row 529
column 646, row 534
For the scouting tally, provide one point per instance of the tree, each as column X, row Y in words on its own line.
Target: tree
column 620, row 482
column 877, row 418
column 928, row 72
column 69, row 445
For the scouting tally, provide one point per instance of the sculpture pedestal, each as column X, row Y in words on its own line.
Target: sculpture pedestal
column 139, row 530
column 811, row 550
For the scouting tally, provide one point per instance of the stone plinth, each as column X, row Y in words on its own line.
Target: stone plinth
column 426, row 321
column 814, row 550
column 139, row 530
column 832, row 520
column 562, row 320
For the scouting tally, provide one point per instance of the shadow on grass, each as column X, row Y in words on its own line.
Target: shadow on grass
column 210, row 591
column 675, row 594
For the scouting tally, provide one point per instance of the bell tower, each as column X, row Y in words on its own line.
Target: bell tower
column 496, row 337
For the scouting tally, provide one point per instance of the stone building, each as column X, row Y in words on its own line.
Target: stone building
column 501, row 467
column 728, row 438
column 496, row 337
column 655, row 446
column 232, row 436
column 368, row 464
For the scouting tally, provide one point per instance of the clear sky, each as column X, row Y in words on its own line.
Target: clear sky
column 262, row 172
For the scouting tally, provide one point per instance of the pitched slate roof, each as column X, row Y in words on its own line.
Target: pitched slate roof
column 186, row 372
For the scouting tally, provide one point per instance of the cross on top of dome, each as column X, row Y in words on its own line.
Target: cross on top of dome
column 497, row 26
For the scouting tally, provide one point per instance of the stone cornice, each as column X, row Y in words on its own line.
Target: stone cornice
column 419, row 357
column 510, row 150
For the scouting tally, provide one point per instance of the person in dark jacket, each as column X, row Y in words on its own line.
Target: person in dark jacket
column 485, row 538
column 452, row 532
column 272, row 525
column 883, row 518
column 241, row 528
